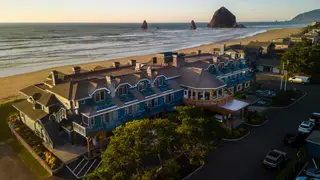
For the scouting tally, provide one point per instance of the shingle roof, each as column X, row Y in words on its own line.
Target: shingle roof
column 39, row 95
column 199, row 78
column 314, row 137
column 27, row 108
column 268, row 62
column 259, row 44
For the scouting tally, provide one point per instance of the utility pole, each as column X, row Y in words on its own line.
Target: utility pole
column 285, row 84
column 282, row 76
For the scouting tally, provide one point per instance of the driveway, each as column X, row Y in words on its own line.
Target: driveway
column 11, row 166
column 243, row 159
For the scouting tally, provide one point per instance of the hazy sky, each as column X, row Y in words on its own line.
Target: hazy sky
column 151, row 10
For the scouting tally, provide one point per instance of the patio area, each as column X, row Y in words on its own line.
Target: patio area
column 67, row 152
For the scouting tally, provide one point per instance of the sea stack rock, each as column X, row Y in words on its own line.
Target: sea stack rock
column 223, row 18
column 193, row 25
column 144, row 25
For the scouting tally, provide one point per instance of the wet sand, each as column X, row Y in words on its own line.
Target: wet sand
column 9, row 86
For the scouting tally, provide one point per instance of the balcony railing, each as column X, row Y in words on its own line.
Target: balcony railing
column 164, row 87
column 127, row 97
column 79, row 129
column 147, row 92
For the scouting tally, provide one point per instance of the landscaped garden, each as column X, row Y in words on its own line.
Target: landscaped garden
column 34, row 142
column 285, row 98
column 256, row 118
column 235, row 133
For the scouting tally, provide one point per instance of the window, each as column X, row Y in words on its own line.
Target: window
column 169, row 98
column 122, row 90
column 142, row 85
column 219, row 92
column 239, row 87
column 207, row 95
column 214, row 94
column 159, row 81
column 99, row 96
column 152, row 103
column 128, row 110
column 85, row 120
column 247, row 84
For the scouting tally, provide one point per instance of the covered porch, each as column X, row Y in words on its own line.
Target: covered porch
column 233, row 112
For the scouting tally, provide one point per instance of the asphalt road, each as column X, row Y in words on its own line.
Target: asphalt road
column 242, row 160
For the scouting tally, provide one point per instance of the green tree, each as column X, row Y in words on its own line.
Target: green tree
column 141, row 150
column 197, row 133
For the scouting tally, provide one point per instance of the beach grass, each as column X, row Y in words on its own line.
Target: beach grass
column 5, row 110
column 29, row 160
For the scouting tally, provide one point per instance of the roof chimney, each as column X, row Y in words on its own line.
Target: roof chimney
column 199, row 52
column 116, row 64
column 150, row 72
column 76, row 69
column 132, row 62
column 154, row 60
column 222, row 49
column 111, row 83
column 55, row 77
column 178, row 60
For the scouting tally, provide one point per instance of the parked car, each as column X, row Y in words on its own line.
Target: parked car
column 219, row 117
column 295, row 140
column 306, row 127
column 300, row 79
column 305, row 178
column 315, row 117
column 275, row 159
column 313, row 172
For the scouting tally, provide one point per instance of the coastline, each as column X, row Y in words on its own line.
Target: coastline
column 12, row 84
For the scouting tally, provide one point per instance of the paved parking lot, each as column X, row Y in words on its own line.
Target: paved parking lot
column 243, row 159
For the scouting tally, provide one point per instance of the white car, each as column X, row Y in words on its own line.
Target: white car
column 306, row 127
column 300, row 79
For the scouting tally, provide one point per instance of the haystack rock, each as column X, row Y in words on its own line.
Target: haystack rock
column 144, row 25
column 193, row 25
column 223, row 18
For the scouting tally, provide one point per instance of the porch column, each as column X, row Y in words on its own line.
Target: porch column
column 75, row 139
column 196, row 98
column 223, row 122
column 101, row 137
column 246, row 109
column 211, row 95
column 241, row 113
column 227, row 121
column 203, row 95
column 88, row 145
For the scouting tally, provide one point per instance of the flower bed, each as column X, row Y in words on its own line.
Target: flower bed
column 236, row 133
column 256, row 118
column 34, row 142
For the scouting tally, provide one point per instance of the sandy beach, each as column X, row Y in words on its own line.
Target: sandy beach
column 11, row 85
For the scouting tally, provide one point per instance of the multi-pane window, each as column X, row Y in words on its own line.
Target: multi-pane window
column 99, row 96
column 122, row 90
column 152, row 103
column 169, row 98
column 142, row 86
column 159, row 81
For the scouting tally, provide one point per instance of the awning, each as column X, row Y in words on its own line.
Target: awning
column 234, row 105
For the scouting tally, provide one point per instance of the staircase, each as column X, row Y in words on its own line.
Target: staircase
column 59, row 116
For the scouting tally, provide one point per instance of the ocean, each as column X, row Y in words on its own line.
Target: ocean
column 28, row 47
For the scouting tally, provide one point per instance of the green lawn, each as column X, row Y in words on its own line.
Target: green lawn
column 29, row 160
column 5, row 110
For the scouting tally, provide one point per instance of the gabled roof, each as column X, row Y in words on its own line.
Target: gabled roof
column 257, row 44
column 39, row 95
column 27, row 108
column 199, row 78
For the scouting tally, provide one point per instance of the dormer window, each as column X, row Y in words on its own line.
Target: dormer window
column 99, row 96
column 159, row 81
column 122, row 90
column 142, row 85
